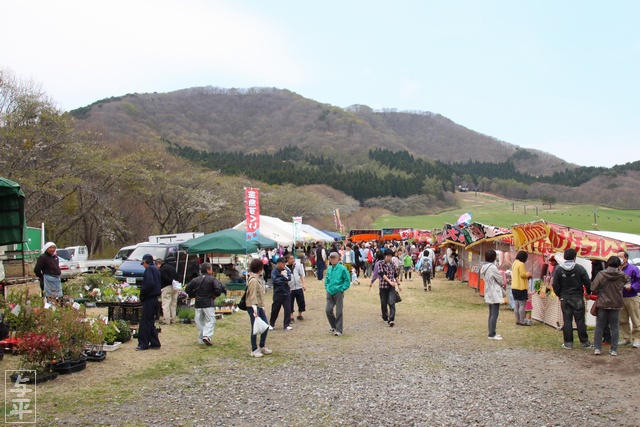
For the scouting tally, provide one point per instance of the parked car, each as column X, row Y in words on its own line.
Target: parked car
column 125, row 252
column 131, row 269
column 68, row 269
column 81, row 255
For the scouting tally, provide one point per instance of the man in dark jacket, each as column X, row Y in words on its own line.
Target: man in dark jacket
column 206, row 289
column 281, row 294
column 168, row 274
column 569, row 282
column 150, row 290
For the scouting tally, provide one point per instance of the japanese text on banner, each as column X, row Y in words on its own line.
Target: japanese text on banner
column 252, row 212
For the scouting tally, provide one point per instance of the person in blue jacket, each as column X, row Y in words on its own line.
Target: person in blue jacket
column 280, row 278
column 150, row 290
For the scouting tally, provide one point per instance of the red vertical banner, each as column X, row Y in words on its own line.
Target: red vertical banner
column 252, row 212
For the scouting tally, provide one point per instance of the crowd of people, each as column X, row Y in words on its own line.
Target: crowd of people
column 614, row 285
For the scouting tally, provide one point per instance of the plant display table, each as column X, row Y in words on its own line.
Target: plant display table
column 129, row 311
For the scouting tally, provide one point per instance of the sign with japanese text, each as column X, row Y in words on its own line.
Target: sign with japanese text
column 541, row 237
column 453, row 234
column 20, row 397
column 397, row 233
column 252, row 212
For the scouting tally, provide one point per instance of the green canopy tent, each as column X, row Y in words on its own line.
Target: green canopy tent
column 227, row 241
column 12, row 224
column 12, row 221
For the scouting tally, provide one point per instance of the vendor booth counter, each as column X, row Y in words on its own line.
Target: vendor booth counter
column 547, row 309
column 474, row 279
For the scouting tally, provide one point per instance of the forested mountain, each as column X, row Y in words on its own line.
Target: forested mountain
column 369, row 155
column 265, row 120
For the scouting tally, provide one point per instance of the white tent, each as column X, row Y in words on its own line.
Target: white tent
column 315, row 234
column 273, row 228
column 282, row 232
column 623, row 237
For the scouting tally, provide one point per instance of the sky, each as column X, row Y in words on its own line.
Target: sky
column 558, row 76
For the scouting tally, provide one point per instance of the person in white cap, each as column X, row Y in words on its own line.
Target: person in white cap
column 48, row 271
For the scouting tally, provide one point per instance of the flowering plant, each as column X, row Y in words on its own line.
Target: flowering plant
column 121, row 292
column 37, row 351
column 95, row 294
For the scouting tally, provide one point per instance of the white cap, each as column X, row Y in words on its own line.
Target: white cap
column 47, row 246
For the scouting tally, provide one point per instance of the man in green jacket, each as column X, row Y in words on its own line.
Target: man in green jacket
column 336, row 282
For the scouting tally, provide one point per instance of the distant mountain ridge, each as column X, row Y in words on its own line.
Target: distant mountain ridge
column 269, row 119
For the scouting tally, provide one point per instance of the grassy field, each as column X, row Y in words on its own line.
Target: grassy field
column 494, row 210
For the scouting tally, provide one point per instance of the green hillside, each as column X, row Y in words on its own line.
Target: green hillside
column 493, row 210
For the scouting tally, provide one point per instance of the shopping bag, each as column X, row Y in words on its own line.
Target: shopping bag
column 176, row 285
column 259, row 326
column 398, row 298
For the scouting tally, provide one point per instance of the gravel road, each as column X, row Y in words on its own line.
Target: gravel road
column 378, row 376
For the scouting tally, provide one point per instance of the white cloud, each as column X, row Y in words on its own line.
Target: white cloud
column 91, row 48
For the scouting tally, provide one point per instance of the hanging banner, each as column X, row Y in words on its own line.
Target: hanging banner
column 541, row 237
column 456, row 235
column 397, row 233
column 481, row 233
column 252, row 212
column 297, row 224
column 336, row 220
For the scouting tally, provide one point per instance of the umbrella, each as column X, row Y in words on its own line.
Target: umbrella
column 227, row 241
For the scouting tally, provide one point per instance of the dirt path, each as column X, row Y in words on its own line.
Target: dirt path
column 435, row 367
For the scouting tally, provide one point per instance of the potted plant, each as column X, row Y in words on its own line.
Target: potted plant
column 38, row 352
column 72, row 329
column 223, row 302
column 186, row 314
column 122, row 329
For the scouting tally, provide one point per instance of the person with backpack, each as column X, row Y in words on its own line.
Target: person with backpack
column 205, row 289
column 424, row 266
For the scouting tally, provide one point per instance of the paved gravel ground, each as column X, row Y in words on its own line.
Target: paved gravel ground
column 379, row 376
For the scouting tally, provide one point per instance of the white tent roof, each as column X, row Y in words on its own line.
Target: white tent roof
column 315, row 234
column 623, row 237
column 272, row 228
column 282, row 232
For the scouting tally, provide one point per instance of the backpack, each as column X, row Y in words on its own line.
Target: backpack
column 370, row 256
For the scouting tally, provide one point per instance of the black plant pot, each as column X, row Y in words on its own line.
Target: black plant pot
column 40, row 378
column 96, row 356
column 70, row 366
